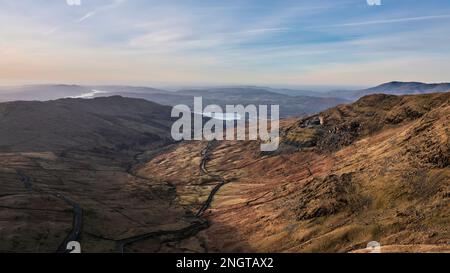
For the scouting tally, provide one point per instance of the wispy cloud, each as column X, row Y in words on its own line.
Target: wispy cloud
column 89, row 14
column 178, row 38
column 389, row 21
column 52, row 30
column 86, row 16
column 264, row 30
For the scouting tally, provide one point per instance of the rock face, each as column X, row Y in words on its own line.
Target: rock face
column 428, row 140
column 327, row 196
column 346, row 123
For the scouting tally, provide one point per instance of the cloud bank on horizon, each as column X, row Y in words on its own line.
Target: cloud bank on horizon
column 326, row 42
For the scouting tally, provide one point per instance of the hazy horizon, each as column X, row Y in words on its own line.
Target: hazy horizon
column 175, row 87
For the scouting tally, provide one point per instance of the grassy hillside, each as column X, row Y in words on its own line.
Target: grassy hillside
column 377, row 169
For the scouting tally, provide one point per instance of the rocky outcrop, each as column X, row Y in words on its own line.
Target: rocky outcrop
column 327, row 196
column 428, row 141
column 341, row 126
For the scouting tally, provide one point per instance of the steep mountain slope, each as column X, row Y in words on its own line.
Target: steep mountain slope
column 344, row 124
column 377, row 169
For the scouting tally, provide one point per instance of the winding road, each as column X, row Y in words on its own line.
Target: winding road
column 172, row 235
column 205, row 156
column 191, row 230
column 163, row 235
column 77, row 222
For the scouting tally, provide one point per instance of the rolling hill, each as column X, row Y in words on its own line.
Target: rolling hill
column 109, row 123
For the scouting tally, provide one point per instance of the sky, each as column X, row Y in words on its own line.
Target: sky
column 193, row 42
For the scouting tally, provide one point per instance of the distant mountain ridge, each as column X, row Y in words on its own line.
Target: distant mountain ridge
column 46, row 92
column 394, row 88
column 292, row 102
column 290, row 105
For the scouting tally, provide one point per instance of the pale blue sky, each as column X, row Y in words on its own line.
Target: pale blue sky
column 275, row 42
